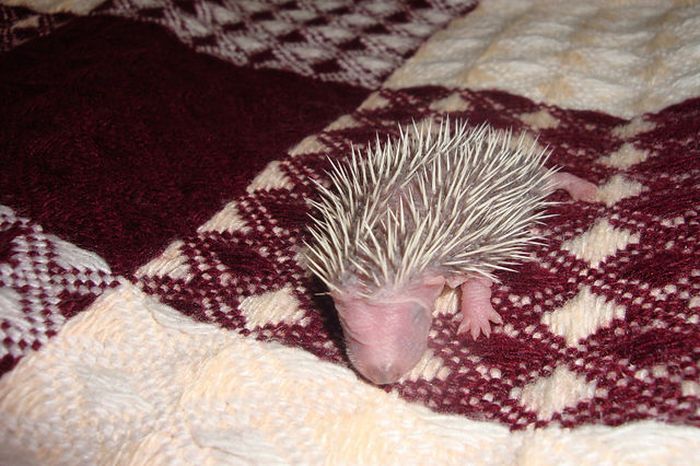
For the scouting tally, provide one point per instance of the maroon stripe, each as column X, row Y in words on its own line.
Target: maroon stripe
column 119, row 138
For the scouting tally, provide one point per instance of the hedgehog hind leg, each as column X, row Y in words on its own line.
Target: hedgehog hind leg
column 475, row 305
column 578, row 188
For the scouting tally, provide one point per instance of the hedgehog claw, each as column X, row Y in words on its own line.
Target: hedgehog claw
column 475, row 329
column 480, row 325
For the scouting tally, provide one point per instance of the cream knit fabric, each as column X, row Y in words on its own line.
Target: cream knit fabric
column 214, row 397
column 619, row 57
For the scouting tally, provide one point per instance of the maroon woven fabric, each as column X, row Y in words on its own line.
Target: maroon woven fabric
column 348, row 41
column 118, row 138
column 639, row 363
column 48, row 282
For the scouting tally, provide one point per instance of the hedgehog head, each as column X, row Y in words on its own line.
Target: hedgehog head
column 386, row 334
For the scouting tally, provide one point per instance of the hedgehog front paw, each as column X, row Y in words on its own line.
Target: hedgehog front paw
column 476, row 307
column 478, row 321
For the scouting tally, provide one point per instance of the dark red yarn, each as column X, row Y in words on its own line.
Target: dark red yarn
column 118, row 138
column 611, row 356
column 46, row 281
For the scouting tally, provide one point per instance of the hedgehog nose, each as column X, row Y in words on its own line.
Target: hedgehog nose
column 383, row 375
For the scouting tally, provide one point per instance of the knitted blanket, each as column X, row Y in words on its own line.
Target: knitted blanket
column 156, row 162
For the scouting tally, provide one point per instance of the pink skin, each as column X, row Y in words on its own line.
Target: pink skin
column 578, row 189
column 387, row 334
column 476, row 309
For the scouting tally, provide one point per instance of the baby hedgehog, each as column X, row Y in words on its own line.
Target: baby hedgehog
column 439, row 206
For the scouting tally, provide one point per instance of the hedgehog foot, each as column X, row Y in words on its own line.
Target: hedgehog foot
column 578, row 188
column 475, row 304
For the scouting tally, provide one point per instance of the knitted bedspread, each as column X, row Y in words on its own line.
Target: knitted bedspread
column 156, row 167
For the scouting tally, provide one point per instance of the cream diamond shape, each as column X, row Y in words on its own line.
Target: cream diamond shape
column 171, row 263
column 374, row 64
column 452, row 103
column 624, row 157
column 272, row 308
column 582, row 316
column 540, row 120
column 617, row 188
column 525, row 139
column 334, row 33
column 307, row 53
column 70, row 256
column 345, row 121
column 308, row 145
column 227, row 219
column 549, row 395
column 31, row 22
column 634, row 127
column 690, row 388
column 248, row 44
column 600, row 241
column 271, row 177
column 374, row 101
column 428, row 368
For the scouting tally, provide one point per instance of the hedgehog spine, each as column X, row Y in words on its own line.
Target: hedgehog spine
column 459, row 201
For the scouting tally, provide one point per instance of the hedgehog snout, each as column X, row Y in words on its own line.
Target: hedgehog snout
column 384, row 375
column 386, row 363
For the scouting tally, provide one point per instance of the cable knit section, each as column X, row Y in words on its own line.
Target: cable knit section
column 132, row 381
column 623, row 58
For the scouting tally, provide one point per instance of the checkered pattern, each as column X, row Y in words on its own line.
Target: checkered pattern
column 18, row 25
column 600, row 329
column 224, row 275
column 344, row 41
column 43, row 282
column 625, row 270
